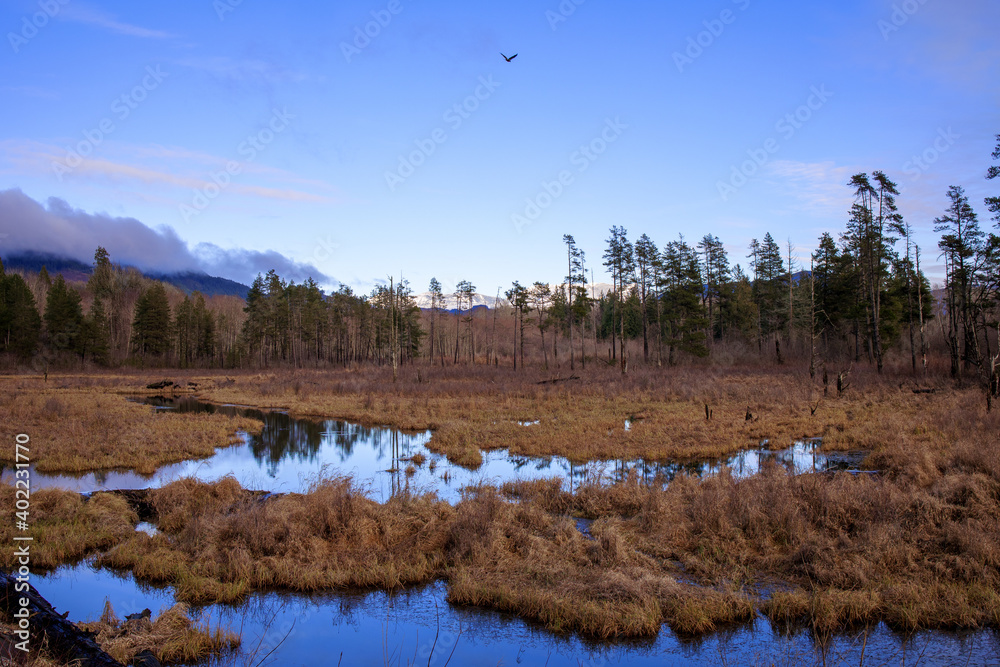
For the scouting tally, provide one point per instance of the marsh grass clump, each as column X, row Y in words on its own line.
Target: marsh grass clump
column 66, row 527
column 917, row 545
column 172, row 636
column 218, row 542
column 84, row 428
column 518, row 558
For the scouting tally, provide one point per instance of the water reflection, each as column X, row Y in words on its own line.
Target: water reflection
column 366, row 628
column 290, row 454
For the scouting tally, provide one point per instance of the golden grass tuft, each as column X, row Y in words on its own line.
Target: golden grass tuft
column 917, row 545
column 218, row 542
column 172, row 637
column 65, row 527
column 84, row 428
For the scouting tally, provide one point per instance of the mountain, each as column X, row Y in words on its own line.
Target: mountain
column 192, row 281
column 75, row 270
column 423, row 300
column 71, row 269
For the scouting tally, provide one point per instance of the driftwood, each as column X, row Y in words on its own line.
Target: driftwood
column 140, row 500
column 558, row 380
column 162, row 384
column 62, row 639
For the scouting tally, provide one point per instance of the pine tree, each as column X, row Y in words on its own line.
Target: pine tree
column 683, row 307
column 206, row 339
column 965, row 252
column 993, row 203
column 769, row 287
column 20, row 323
column 184, row 327
column 151, row 330
column 541, row 296
column 715, row 267
column 98, row 334
column 63, row 317
column 575, row 276
column 255, row 323
column 737, row 308
column 619, row 258
column 646, row 255
column 437, row 303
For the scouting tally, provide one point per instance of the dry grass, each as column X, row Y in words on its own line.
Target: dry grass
column 476, row 409
column 9, row 655
column 65, row 527
column 218, row 542
column 172, row 637
column 917, row 546
column 80, row 428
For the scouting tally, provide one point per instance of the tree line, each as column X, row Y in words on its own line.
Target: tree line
column 862, row 294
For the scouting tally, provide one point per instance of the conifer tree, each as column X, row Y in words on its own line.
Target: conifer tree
column 151, row 328
column 20, row 323
column 63, row 317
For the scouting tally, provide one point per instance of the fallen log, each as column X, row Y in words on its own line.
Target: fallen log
column 558, row 380
column 162, row 384
column 62, row 639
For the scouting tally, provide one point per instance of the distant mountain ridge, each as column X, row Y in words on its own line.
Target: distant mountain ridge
column 423, row 300
column 75, row 270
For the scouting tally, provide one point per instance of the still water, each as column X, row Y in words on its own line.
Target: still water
column 289, row 454
column 377, row 628
column 418, row 626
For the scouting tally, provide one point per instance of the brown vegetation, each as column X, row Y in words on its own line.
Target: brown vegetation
column 78, row 426
column 172, row 636
column 476, row 409
column 217, row 542
column 917, row 545
column 65, row 527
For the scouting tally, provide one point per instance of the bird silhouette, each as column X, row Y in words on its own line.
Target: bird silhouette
column 508, row 59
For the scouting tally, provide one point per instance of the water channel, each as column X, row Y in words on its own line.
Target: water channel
column 418, row 626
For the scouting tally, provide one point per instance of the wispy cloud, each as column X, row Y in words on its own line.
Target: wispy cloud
column 244, row 71
column 819, row 188
column 79, row 13
column 189, row 169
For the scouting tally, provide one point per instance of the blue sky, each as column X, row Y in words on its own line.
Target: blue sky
column 237, row 129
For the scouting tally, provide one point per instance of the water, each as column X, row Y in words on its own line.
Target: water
column 377, row 628
column 289, row 454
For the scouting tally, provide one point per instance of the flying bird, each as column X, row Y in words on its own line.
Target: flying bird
column 508, row 59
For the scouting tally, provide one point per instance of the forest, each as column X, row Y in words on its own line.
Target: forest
column 863, row 298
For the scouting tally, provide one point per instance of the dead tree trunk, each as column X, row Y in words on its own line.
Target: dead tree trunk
column 63, row 639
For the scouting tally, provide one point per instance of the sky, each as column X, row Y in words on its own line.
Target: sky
column 359, row 139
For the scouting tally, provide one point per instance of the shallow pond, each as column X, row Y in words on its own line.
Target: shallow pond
column 289, row 454
column 377, row 628
column 399, row 629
